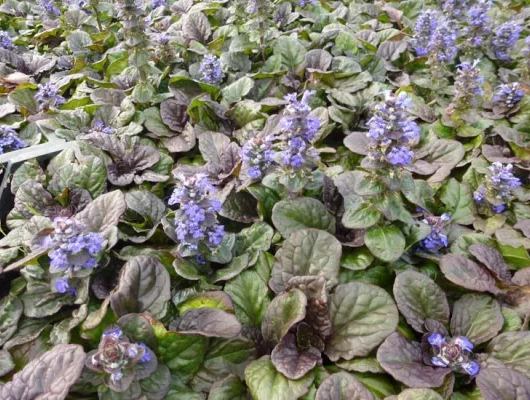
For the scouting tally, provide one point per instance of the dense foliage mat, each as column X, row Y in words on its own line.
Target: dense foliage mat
column 265, row 200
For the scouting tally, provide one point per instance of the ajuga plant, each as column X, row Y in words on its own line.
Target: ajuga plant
column 255, row 199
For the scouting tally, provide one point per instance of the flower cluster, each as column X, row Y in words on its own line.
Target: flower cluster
column 196, row 220
column 210, row 70
column 303, row 3
column 508, row 95
column 454, row 353
column 49, row 96
column 497, row 190
column 442, row 46
column 504, row 40
column 71, row 250
column 478, row 24
column 9, row 140
column 257, row 156
column 158, row 3
column 99, row 127
column 425, row 26
column 468, row 85
column 436, row 239
column 5, row 41
column 117, row 356
column 50, row 7
column 79, row 4
column 454, row 8
column 299, row 131
column 162, row 38
column 392, row 131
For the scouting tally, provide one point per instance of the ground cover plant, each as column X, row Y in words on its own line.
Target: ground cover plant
column 269, row 200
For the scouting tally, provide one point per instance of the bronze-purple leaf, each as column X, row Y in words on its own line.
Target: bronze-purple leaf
column 404, row 361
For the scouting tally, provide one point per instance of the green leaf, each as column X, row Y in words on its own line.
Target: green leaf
column 419, row 298
column 477, row 317
column 503, row 384
column 225, row 357
column 356, row 259
column 459, row 200
column 307, row 252
column 513, row 350
column 285, row 310
column 103, row 212
column 386, row 243
column 183, row 354
column 252, row 240
column 6, row 363
column 10, row 312
column 79, row 42
column 291, row 215
column 250, row 297
column 265, row 383
column 156, row 386
column 342, row 386
column 516, row 257
column 419, row 394
column 359, row 214
column 144, row 286
column 237, row 90
column 61, row 331
column 362, row 316
column 230, row 388
column 291, row 51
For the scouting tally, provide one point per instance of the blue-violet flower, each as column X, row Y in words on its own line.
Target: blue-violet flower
column 425, row 26
column 50, row 7
column 257, row 156
column 210, row 70
column 9, row 140
column 392, row 131
column 62, row 285
column 468, row 86
column 158, row 3
column 504, row 40
column 508, row 95
column 299, row 130
column 48, row 96
column 437, row 239
column 196, row 220
column 442, row 45
column 497, row 189
column 5, row 41
column 116, row 356
column 99, row 126
column 478, row 24
column 454, row 353
column 71, row 248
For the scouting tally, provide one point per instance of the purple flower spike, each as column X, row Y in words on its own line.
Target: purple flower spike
column 257, row 156
column 393, row 131
column 498, row 188
column 299, row 130
column 504, row 40
column 210, row 70
column 9, row 140
column 196, row 220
